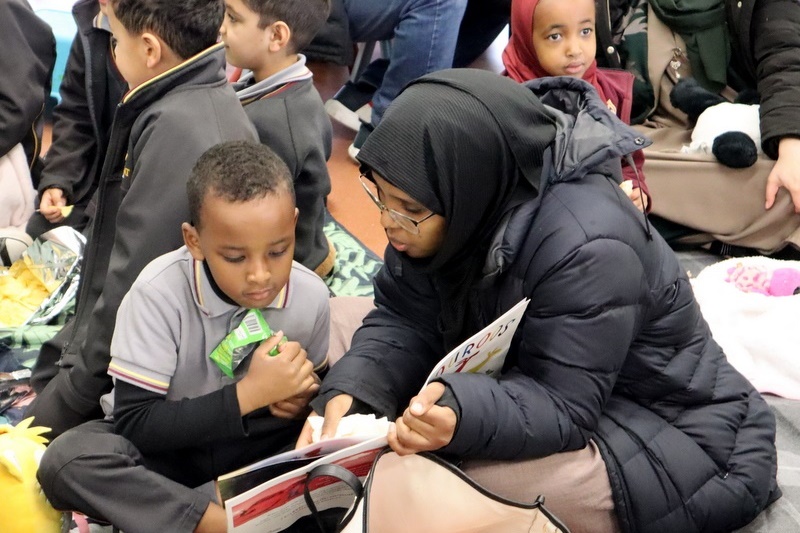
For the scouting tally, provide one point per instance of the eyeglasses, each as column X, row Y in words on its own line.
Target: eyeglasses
column 404, row 221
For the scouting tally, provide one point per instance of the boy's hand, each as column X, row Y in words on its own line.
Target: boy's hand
column 296, row 406
column 785, row 173
column 50, row 204
column 335, row 409
column 272, row 379
column 424, row 425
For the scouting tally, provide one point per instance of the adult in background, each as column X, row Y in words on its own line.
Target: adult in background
column 423, row 36
column 728, row 46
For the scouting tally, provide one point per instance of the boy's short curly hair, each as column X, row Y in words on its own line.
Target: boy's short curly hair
column 237, row 171
column 187, row 26
column 304, row 17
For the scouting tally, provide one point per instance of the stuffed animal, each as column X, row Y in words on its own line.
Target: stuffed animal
column 730, row 131
column 24, row 509
column 784, row 281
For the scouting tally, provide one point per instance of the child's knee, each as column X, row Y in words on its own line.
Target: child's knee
column 58, row 459
column 72, row 458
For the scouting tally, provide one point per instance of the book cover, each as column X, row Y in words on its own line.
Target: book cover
column 484, row 352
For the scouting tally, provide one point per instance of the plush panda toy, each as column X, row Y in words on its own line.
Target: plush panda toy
column 13, row 242
column 730, row 131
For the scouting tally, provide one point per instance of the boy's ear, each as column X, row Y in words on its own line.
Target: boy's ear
column 192, row 241
column 296, row 214
column 153, row 49
column 281, row 35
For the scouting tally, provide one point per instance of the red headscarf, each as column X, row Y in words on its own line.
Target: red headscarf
column 613, row 86
column 522, row 63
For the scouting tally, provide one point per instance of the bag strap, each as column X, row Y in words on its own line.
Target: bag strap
column 337, row 472
column 537, row 504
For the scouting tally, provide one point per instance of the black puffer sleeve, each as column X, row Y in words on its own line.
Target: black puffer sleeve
column 775, row 31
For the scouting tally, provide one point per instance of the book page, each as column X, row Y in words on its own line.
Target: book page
column 245, row 478
column 484, row 352
column 277, row 504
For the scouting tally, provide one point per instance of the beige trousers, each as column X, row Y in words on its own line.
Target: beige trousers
column 695, row 190
column 575, row 484
column 726, row 204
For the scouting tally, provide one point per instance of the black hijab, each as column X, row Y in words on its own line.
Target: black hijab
column 468, row 145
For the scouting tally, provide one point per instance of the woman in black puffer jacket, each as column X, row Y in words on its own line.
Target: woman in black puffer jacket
column 615, row 402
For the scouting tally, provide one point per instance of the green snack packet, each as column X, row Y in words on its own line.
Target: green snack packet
column 237, row 344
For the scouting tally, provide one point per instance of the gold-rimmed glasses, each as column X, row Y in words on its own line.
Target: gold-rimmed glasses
column 404, row 221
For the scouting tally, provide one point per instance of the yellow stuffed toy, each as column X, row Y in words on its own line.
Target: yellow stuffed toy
column 24, row 509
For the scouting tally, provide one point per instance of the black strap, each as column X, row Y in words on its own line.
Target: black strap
column 340, row 473
column 5, row 256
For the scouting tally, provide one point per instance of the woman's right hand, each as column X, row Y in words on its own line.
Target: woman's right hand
column 337, row 407
column 50, row 204
column 785, row 173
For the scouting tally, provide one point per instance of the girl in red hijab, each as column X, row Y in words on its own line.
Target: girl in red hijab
column 556, row 38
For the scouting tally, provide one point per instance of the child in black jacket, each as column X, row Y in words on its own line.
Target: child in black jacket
column 278, row 94
column 179, row 105
column 90, row 91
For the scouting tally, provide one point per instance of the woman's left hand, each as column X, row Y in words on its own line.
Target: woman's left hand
column 424, row 425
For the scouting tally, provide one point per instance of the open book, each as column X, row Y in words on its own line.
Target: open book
column 278, row 503
column 267, row 496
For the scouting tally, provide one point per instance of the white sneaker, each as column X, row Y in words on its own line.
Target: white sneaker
column 346, row 116
column 363, row 132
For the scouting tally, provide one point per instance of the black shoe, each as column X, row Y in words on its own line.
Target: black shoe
column 730, row 250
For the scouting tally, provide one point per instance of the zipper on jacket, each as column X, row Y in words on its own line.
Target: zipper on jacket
column 37, row 145
column 92, row 248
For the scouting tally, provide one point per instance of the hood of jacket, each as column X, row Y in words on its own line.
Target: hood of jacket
column 589, row 139
column 588, row 135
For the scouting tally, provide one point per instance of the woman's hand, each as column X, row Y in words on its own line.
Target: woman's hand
column 424, row 425
column 335, row 409
column 785, row 173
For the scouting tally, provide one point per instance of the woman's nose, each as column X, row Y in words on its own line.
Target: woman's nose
column 387, row 220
